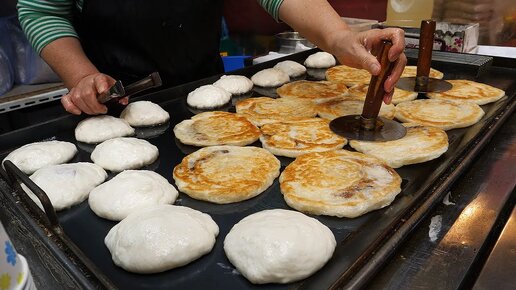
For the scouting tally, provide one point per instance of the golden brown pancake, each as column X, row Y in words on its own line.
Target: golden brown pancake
column 216, row 128
column 265, row 110
column 411, row 71
column 226, row 174
column 465, row 90
column 439, row 113
column 348, row 75
column 359, row 92
column 339, row 183
column 421, row 144
column 343, row 107
column 293, row 138
column 318, row 92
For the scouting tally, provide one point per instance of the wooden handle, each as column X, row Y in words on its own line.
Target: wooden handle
column 375, row 93
column 426, row 44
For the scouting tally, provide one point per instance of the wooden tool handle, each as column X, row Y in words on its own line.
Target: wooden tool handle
column 375, row 93
column 426, row 43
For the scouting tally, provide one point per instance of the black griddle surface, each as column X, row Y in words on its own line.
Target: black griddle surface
column 356, row 238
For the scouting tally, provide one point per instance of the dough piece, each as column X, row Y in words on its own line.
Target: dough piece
column 348, row 75
column 129, row 191
column 160, row 238
column 208, row 97
column 318, row 92
column 278, row 246
column 293, row 138
column 292, row 68
column 421, row 144
column 270, row 77
column 320, row 60
column 234, row 84
column 144, row 113
column 265, row 110
column 226, row 174
column 34, row 156
column 101, row 128
column 124, row 153
column 411, row 71
column 359, row 92
column 217, row 128
column 439, row 113
column 66, row 184
column 343, row 107
column 339, row 183
column 465, row 90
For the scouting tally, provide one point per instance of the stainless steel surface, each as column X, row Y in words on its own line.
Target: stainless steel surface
column 290, row 42
column 31, row 95
column 432, row 86
column 351, row 127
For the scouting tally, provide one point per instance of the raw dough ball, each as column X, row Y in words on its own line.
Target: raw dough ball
column 144, row 113
column 130, row 191
column 66, row 184
column 292, row 68
column 208, row 97
column 278, row 246
column 234, row 84
column 34, row 156
column 123, row 153
column 101, row 128
column 160, row 238
column 320, row 60
column 270, row 77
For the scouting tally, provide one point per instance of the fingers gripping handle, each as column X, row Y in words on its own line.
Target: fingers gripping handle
column 376, row 91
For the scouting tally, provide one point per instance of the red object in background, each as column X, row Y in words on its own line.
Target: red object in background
column 247, row 16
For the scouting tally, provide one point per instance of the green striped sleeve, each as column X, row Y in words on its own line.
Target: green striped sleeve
column 272, row 7
column 44, row 21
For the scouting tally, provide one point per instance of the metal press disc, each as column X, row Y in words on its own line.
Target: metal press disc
column 350, row 127
column 432, row 86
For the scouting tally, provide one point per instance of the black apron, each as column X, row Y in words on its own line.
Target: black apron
column 129, row 39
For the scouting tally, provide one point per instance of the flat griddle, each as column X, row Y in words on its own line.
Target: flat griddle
column 363, row 243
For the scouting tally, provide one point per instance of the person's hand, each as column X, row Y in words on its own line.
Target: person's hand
column 355, row 48
column 83, row 97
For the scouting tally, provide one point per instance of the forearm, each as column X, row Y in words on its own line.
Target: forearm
column 66, row 57
column 316, row 20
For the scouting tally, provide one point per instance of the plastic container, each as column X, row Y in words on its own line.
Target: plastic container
column 234, row 62
column 14, row 270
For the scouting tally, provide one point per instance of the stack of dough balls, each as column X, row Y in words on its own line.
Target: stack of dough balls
column 101, row 128
column 226, row 174
column 144, row 114
column 208, row 97
column 130, row 191
column 123, row 153
column 66, row 184
column 160, row 238
column 34, row 156
column 278, row 246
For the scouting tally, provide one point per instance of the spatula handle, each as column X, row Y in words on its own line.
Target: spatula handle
column 375, row 93
column 426, row 44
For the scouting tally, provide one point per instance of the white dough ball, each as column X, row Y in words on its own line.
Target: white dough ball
column 278, row 246
column 270, row 77
column 129, row 191
column 160, row 238
column 66, row 184
column 101, row 128
column 292, row 68
column 320, row 60
column 144, row 113
column 123, row 153
column 34, row 156
column 234, row 84
column 208, row 97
